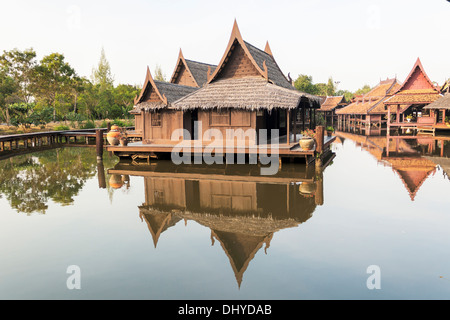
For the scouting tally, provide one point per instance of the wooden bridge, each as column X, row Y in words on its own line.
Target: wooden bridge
column 11, row 145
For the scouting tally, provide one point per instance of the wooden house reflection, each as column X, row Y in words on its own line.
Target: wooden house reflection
column 413, row 158
column 242, row 209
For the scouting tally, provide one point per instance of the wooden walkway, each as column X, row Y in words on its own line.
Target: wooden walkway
column 11, row 145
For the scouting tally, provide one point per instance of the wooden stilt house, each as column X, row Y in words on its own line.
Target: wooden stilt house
column 155, row 118
column 369, row 109
column 248, row 90
column 246, row 99
column 329, row 107
column 407, row 104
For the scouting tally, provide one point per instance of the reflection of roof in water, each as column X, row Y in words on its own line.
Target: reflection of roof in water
column 413, row 172
column 412, row 168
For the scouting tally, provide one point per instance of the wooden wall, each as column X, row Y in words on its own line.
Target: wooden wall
column 170, row 121
column 237, row 120
column 228, row 195
column 185, row 78
column 165, row 191
column 138, row 124
column 238, row 65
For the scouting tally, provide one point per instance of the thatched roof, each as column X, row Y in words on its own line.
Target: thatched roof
column 442, row 103
column 250, row 93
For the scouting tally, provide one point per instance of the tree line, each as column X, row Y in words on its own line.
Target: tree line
column 38, row 92
column 305, row 83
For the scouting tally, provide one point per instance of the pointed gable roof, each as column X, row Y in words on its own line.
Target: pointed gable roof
column 416, row 89
column 262, row 61
column 158, row 94
column 332, row 102
column 417, row 79
column 196, row 71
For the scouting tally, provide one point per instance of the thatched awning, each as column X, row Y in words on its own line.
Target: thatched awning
column 250, row 93
column 442, row 103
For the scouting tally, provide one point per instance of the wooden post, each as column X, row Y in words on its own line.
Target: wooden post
column 101, row 174
column 319, row 188
column 288, row 119
column 388, row 122
column 320, row 136
column 99, row 144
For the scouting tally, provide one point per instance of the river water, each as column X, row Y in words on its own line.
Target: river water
column 372, row 225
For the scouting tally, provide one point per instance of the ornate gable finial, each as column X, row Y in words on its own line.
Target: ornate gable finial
column 235, row 32
column 267, row 49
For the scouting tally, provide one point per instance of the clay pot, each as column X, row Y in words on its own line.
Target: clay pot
column 116, row 181
column 113, row 136
column 306, row 143
column 307, row 187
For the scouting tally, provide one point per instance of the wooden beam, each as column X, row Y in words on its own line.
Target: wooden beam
column 288, row 120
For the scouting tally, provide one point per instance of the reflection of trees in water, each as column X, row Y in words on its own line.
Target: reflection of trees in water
column 28, row 182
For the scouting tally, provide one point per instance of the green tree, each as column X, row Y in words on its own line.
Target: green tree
column 305, row 84
column 348, row 95
column 159, row 75
column 102, row 74
column 331, row 88
column 20, row 114
column 365, row 89
column 53, row 81
column 19, row 65
column 8, row 91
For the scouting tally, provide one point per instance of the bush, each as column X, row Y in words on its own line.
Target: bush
column 61, row 127
column 118, row 122
column 88, row 125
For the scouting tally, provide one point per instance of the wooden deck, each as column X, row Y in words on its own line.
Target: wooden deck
column 163, row 150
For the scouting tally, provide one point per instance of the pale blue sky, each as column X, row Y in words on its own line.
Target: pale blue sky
column 355, row 42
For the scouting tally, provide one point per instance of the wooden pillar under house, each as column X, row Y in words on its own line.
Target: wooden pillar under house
column 295, row 125
column 288, row 120
column 320, row 136
column 99, row 144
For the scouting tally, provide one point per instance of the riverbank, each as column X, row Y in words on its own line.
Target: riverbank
column 61, row 125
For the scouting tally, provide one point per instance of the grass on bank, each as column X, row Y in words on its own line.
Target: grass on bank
column 65, row 125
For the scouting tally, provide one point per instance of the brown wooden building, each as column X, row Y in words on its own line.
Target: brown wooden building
column 247, row 90
column 369, row 109
column 329, row 107
column 410, row 99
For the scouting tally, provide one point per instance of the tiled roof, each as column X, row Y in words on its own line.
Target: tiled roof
column 274, row 72
column 331, row 103
column 199, row 71
column 373, row 101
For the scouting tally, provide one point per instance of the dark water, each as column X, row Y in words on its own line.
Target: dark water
column 160, row 231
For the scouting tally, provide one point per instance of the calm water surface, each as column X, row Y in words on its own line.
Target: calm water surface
column 159, row 231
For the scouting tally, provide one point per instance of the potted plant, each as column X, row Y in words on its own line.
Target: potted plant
column 330, row 131
column 123, row 138
column 409, row 117
column 307, row 140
